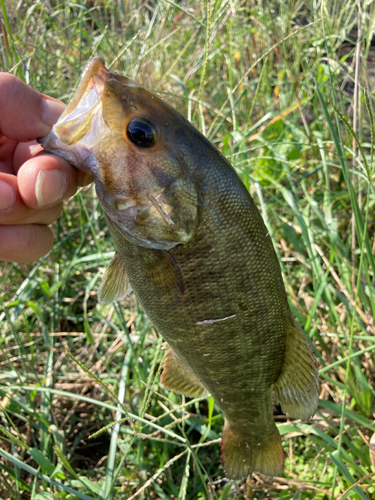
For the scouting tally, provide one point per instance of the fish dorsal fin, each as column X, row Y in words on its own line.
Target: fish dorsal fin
column 177, row 377
column 115, row 284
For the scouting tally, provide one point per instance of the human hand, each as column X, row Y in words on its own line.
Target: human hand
column 32, row 184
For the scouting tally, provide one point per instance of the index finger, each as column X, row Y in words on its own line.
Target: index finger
column 25, row 114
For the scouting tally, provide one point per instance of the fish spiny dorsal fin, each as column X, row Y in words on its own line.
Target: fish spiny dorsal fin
column 178, row 378
column 297, row 388
column 115, row 284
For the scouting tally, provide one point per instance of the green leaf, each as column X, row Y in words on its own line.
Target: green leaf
column 18, row 463
column 12, row 438
column 211, row 404
column 64, row 461
column 351, row 415
column 335, row 457
column 225, row 492
column 42, row 460
column 16, row 479
column 44, row 495
column 185, row 478
column 85, row 481
column 45, row 288
column 359, row 224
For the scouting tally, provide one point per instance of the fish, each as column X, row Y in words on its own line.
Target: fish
column 192, row 245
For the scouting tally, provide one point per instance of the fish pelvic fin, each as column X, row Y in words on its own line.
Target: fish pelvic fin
column 178, row 378
column 243, row 454
column 297, row 388
column 115, row 284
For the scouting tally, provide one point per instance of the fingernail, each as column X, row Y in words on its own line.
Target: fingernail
column 7, row 196
column 49, row 187
column 51, row 111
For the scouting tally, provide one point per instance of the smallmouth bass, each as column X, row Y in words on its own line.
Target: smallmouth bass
column 192, row 244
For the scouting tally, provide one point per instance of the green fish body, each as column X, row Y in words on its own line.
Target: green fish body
column 191, row 243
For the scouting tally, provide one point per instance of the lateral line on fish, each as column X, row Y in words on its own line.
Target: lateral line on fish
column 157, row 205
column 210, row 321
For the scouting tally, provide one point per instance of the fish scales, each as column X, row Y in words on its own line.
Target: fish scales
column 193, row 246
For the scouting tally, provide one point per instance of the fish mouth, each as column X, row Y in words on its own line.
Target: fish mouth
column 81, row 126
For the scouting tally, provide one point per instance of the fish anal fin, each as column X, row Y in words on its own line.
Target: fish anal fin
column 297, row 388
column 178, row 378
column 244, row 454
column 115, row 284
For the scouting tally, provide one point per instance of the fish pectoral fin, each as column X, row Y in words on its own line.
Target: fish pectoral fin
column 115, row 284
column 161, row 272
column 297, row 388
column 178, row 378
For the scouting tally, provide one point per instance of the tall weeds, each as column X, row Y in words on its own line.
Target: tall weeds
column 280, row 89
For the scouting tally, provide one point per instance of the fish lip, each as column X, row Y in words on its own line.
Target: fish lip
column 85, row 108
column 95, row 74
column 81, row 126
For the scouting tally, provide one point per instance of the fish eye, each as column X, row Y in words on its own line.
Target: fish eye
column 142, row 132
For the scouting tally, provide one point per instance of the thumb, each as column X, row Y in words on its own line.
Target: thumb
column 25, row 114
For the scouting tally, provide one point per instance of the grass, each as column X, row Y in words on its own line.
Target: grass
column 276, row 86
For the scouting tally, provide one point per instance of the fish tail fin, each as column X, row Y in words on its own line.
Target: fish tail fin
column 297, row 388
column 244, row 454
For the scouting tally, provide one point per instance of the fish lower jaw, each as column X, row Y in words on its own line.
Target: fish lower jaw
column 78, row 155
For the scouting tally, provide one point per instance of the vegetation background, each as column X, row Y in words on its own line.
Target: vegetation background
column 280, row 89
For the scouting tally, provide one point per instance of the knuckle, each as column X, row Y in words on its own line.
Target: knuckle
column 6, row 79
column 52, row 214
column 24, row 243
column 34, row 240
